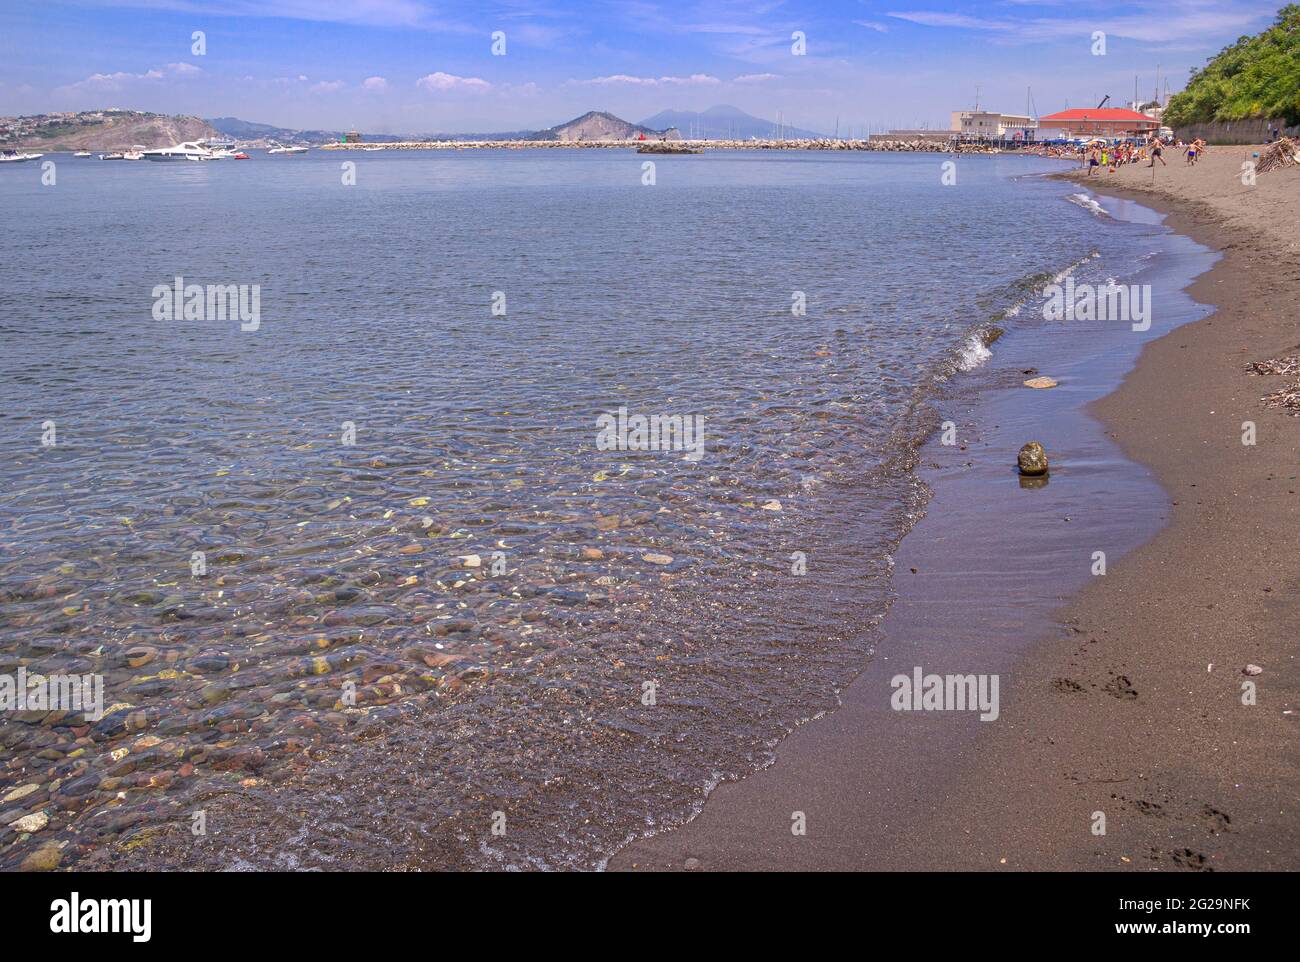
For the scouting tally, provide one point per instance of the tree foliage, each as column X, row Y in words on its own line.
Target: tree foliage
column 1256, row 77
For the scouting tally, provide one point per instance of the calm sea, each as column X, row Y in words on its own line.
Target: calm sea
column 363, row 586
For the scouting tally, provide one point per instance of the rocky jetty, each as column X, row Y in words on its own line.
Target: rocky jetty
column 667, row 148
column 677, row 146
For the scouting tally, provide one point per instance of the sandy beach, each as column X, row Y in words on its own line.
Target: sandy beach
column 1130, row 701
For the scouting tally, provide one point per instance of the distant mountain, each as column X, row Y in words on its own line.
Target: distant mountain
column 102, row 130
column 245, row 130
column 598, row 125
column 723, row 123
column 593, row 125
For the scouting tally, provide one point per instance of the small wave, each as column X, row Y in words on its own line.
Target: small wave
column 1031, row 286
column 1062, row 275
column 1089, row 204
column 1035, row 282
column 973, row 353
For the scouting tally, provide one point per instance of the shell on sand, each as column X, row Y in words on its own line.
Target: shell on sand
column 1040, row 382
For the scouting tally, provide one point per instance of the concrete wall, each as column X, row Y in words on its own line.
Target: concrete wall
column 1235, row 131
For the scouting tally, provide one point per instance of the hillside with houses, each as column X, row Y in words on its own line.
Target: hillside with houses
column 109, row 129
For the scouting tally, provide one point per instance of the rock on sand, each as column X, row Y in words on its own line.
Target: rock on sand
column 1032, row 459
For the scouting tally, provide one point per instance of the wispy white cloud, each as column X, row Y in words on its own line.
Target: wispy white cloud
column 374, row 84
column 380, row 13
column 536, row 35
column 439, row 81
column 122, row 78
column 327, row 86
column 1176, row 21
column 695, row 79
column 756, row 78
column 873, row 25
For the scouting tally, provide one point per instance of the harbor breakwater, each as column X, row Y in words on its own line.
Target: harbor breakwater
column 683, row 146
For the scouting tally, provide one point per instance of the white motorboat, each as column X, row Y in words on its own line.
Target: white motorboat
column 189, row 150
column 281, row 149
column 14, row 157
column 82, row 153
column 135, row 153
column 220, row 148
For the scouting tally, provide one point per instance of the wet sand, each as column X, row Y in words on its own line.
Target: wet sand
column 1120, row 694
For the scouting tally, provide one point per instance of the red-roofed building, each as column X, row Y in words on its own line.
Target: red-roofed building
column 1096, row 122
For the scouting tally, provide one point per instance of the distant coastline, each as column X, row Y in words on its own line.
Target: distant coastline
column 821, row 143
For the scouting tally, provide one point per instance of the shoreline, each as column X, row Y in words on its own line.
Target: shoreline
column 1187, row 776
column 686, row 146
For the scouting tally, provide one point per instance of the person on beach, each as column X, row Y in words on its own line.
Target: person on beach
column 1156, row 151
column 1093, row 157
column 1190, row 154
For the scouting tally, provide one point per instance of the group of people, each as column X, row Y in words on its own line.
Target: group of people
column 1114, row 156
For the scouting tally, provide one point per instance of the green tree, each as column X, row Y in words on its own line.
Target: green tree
column 1255, row 77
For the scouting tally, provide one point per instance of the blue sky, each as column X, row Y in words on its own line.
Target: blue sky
column 427, row 65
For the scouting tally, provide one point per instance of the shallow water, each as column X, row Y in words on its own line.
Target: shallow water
column 339, row 688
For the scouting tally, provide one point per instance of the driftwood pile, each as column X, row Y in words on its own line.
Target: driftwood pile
column 1289, row 364
column 1284, row 152
column 1289, row 397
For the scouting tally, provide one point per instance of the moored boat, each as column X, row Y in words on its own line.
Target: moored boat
column 189, row 150
column 219, row 148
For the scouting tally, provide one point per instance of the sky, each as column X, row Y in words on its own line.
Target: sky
column 423, row 66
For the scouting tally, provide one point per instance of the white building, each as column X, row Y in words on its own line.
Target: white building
column 991, row 125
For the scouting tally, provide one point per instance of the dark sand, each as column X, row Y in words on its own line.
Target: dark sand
column 1129, row 701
